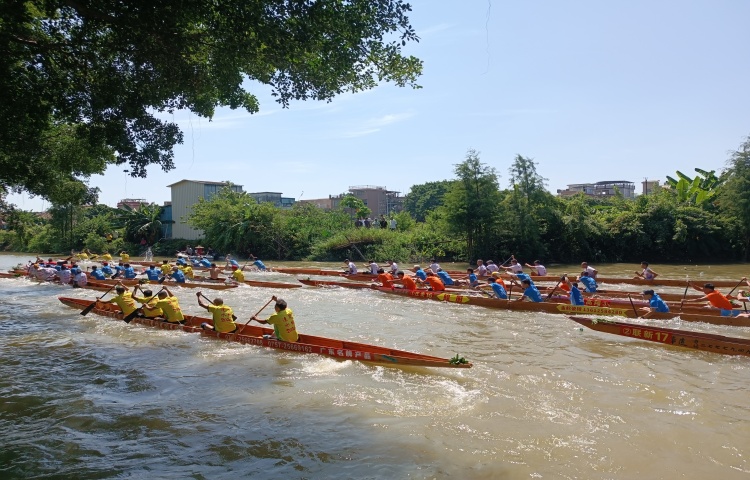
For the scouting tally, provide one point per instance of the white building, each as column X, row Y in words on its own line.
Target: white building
column 187, row 193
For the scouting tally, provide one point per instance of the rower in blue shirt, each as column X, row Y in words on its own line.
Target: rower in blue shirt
column 234, row 262
column 107, row 270
column 447, row 280
column 128, row 271
column 497, row 288
column 530, row 292
column 656, row 304
column 471, row 277
column 419, row 273
column 97, row 274
column 258, row 263
column 152, row 273
column 587, row 282
column 576, row 297
column 205, row 262
column 523, row 276
column 177, row 275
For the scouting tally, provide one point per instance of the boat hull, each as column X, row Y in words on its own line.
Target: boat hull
column 667, row 336
column 254, row 335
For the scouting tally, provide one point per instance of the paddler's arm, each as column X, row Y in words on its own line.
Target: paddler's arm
column 700, row 289
column 747, row 282
column 200, row 300
column 264, row 322
column 695, row 300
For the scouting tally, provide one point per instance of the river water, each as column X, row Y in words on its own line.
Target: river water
column 89, row 397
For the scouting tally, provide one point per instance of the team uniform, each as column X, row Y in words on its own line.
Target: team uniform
column 238, row 275
column 533, row 294
column 436, row 284
column 658, row 304
column 129, row 272
column 648, row 274
column 223, row 318
column 589, row 283
column 421, row 274
column 386, row 279
column 723, row 304
column 153, row 273
column 576, row 297
column 541, row 270
column 499, row 290
column 408, row 283
column 283, row 326
column 171, row 310
column 447, row 280
column 151, row 302
column 80, row 279
column 98, row 274
column 64, row 276
column 353, row 268
column 178, row 276
column 260, row 265
column 125, row 302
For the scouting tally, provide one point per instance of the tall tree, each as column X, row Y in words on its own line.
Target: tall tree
column 426, row 197
column 471, row 204
column 106, row 69
column 143, row 221
column 526, row 203
column 735, row 197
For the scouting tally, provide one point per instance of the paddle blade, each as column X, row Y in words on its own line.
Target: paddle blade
column 161, row 280
column 130, row 316
column 86, row 310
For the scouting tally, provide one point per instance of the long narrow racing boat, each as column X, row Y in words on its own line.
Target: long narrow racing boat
column 134, row 281
column 562, row 308
column 260, row 336
column 667, row 336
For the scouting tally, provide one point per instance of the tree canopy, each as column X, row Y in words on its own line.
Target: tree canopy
column 98, row 73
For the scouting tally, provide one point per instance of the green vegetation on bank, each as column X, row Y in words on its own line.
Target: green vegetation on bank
column 693, row 219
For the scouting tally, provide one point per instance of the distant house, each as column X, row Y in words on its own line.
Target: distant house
column 187, row 193
column 133, row 203
column 604, row 189
column 378, row 199
column 273, row 197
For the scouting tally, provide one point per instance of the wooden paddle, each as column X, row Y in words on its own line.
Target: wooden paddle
column 735, row 287
column 234, row 317
column 684, row 295
column 507, row 260
column 134, row 313
column 86, row 310
column 553, row 290
column 239, row 330
column 633, row 305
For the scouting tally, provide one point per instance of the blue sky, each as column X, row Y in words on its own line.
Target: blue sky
column 591, row 90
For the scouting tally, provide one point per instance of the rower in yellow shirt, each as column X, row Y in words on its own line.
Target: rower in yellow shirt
column 124, row 300
column 169, row 306
column 283, row 322
column 166, row 268
column 237, row 274
column 188, row 271
column 106, row 256
column 149, row 299
column 124, row 257
column 223, row 315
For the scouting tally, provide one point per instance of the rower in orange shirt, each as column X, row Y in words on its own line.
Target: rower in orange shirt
column 406, row 281
column 385, row 279
column 716, row 299
column 436, row 284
